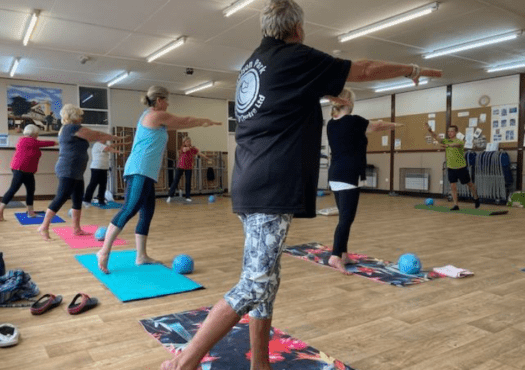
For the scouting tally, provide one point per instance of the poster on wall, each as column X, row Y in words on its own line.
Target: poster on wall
column 39, row 106
column 504, row 124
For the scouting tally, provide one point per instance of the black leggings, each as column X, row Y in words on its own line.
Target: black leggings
column 175, row 183
column 68, row 187
column 98, row 178
column 19, row 178
column 346, row 201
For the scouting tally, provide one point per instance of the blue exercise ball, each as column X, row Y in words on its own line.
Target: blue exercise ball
column 211, row 199
column 100, row 234
column 409, row 264
column 429, row 202
column 183, row 264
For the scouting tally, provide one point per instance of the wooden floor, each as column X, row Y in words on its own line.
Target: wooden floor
column 476, row 323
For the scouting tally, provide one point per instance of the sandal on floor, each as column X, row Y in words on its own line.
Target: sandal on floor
column 45, row 303
column 8, row 335
column 86, row 303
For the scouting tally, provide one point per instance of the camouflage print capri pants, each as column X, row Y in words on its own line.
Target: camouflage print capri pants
column 260, row 277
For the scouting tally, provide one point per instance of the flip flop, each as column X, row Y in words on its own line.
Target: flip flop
column 86, row 303
column 45, row 303
column 9, row 335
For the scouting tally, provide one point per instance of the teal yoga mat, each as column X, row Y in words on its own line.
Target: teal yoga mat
column 129, row 282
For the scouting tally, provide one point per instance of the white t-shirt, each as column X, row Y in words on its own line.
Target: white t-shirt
column 99, row 158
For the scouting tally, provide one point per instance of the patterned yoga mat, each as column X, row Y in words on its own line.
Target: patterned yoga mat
column 233, row 351
column 368, row 267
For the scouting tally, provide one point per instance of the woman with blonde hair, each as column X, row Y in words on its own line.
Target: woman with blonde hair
column 24, row 166
column 142, row 170
column 348, row 142
column 72, row 161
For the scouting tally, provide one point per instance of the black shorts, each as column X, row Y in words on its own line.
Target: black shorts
column 461, row 174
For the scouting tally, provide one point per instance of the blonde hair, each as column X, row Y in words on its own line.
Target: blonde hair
column 345, row 94
column 31, row 130
column 154, row 92
column 70, row 113
column 279, row 18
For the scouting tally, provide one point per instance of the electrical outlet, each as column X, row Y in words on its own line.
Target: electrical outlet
column 440, row 182
column 386, row 180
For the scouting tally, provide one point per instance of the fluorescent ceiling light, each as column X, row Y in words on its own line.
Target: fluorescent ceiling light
column 504, row 67
column 118, row 79
column 389, row 22
column 473, row 44
column 31, row 27
column 88, row 98
column 200, row 87
column 14, row 66
column 166, row 49
column 236, row 6
column 400, row 86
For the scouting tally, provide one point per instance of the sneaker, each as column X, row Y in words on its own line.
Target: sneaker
column 477, row 202
column 169, row 200
column 86, row 204
column 188, row 200
column 455, row 208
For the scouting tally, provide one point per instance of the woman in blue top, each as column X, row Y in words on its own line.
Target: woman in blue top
column 347, row 139
column 72, row 161
column 142, row 170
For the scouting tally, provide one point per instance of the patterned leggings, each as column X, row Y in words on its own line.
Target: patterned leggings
column 259, row 282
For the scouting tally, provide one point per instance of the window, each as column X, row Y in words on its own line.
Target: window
column 94, row 103
column 232, row 121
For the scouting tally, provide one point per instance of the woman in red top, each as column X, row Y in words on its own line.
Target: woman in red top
column 24, row 165
column 185, row 164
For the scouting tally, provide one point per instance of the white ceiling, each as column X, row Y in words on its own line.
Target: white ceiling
column 118, row 35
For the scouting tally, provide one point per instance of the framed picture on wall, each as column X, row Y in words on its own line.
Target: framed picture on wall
column 39, row 106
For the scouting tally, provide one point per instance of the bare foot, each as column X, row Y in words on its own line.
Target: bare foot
column 347, row 260
column 145, row 260
column 336, row 262
column 80, row 232
column 102, row 261
column 44, row 233
column 2, row 218
column 32, row 214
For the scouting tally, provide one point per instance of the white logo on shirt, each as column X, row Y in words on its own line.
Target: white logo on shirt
column 248, row 99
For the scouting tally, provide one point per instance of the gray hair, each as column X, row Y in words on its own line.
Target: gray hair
column 153, row 93
column 279, row 18
column 345, row 94
column 31, row 130
column 71, row 113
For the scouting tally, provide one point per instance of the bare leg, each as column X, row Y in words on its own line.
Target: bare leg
column 454, row 190
column 44, row 228
column 77, row 230
column 218, row 323
column 103, row 254
column 259, row 343
column 142, row 256
column 2, row 207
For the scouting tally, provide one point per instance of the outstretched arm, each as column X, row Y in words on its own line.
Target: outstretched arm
column 381, row 125
column 372, row 70
column 155, row 119
column 93, row 135
column 434, row 135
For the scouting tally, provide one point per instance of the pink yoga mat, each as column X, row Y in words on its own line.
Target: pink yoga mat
column 83, row 241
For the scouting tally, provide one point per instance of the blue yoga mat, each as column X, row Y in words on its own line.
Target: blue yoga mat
column 108, row 205
column 129, row 282
column 24, row 220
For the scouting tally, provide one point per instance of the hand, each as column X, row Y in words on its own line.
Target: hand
column 427, row 126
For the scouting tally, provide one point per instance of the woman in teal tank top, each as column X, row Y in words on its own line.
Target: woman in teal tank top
column 142, row 170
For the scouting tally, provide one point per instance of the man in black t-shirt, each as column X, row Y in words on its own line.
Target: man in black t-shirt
column 277, row 165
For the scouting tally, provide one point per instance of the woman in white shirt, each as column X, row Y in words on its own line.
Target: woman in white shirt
column 99, row 171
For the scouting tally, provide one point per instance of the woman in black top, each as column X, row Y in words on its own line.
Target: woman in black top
column 347, row 139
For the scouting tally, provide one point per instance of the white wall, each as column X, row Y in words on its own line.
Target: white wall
column 421, row 101
column 503, row 90
column 374, row 108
